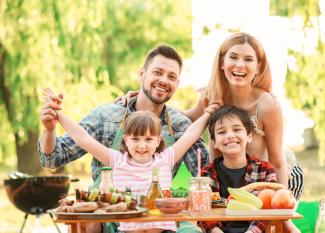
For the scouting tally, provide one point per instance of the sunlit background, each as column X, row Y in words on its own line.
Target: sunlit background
column 91, row 51
column 213, row 21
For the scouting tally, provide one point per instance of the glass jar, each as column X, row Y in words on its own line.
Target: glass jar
column 200, row 194
column 106, row 181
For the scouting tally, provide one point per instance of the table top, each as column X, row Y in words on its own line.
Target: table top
column 217, row 214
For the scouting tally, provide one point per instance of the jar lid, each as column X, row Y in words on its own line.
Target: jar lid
column 106, row 169
column 200, row 178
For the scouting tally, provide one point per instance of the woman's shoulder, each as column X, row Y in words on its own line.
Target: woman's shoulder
column 267, row 104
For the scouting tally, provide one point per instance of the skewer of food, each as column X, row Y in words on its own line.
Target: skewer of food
column 95, row 201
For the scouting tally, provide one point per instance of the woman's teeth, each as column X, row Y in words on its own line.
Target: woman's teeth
column 238, row 74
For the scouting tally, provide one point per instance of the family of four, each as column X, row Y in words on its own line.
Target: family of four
column 243, row 117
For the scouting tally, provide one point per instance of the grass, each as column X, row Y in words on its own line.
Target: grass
column 11, row 218
column 314, row 175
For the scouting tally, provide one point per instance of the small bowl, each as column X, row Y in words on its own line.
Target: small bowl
column 171, row 205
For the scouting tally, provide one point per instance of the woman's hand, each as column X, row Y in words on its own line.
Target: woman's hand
column 126, row 98
column 198, row 110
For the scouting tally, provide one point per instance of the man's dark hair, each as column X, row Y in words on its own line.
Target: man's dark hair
column 229, row 111
column 163, row 50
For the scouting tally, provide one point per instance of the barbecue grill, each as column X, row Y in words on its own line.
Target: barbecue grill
column 36, row 194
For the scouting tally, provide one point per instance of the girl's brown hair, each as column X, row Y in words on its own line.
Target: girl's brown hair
column 218, row 88
column 138, row 124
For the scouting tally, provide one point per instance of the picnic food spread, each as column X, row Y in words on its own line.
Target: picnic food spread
column 98, row 202
column 270, row 196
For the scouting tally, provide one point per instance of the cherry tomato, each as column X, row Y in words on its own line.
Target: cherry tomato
column 167, row 193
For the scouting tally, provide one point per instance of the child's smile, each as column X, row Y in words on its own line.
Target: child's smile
column 142, row 148
column 231, row 136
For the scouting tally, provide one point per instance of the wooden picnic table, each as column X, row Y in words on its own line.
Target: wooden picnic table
column 217, row 214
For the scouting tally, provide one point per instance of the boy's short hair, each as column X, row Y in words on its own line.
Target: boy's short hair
column 165, row 51
column 229, row 111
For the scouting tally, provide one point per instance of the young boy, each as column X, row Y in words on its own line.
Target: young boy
column 230, row 129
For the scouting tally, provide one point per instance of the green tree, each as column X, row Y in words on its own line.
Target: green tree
column 305, row 83
column 78, row 47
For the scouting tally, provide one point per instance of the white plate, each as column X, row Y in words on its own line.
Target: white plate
column 263, row 212
column 81, row 216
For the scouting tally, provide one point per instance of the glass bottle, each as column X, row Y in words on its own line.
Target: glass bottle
column 106, row 181
column 321, row 218
column 154, row 191
column 200, row 194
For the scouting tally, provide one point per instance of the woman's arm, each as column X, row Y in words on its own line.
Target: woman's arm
column 198, row 110
column 195, row 113
column 192, row 133
column 83, row 139
column 271, row 115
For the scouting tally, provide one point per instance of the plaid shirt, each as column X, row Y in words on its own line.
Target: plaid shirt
column 103, row 123
column 256, row 171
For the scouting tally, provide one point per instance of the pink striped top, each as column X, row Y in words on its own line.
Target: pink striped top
column 129, row 174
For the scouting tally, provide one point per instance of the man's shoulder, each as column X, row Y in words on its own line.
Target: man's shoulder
column 109, row 111
column 178, row 119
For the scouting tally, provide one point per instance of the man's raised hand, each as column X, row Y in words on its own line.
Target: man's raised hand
column 51, row 103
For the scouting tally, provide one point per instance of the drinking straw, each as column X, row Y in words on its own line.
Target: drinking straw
column 198, row 162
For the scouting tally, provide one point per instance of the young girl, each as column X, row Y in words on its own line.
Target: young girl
column 142, row 150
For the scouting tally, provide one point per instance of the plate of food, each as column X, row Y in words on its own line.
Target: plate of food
column 261, row 212
column 98, row 205
column 221, row 203
column 217, row 201
column 97, row 214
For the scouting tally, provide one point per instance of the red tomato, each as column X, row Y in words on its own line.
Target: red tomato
column 167, row 193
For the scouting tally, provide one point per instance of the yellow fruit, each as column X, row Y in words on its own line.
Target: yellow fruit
column 93, row 194
column 246, row 197
column 154, row 212
column 238, row 205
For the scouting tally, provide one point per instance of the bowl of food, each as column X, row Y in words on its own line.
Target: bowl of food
column 171, row 205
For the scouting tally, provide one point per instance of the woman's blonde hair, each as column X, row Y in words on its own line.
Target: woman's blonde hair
column 138, row 124
column 218, row 88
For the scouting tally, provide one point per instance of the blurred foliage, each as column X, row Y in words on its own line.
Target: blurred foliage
column 290, row 8
column 185, row 98
column 305, row 83
column 90, row 50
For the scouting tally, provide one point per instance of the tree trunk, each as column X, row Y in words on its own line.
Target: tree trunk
column 27, row 155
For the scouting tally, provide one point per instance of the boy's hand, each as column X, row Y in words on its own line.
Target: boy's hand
column 51, row 104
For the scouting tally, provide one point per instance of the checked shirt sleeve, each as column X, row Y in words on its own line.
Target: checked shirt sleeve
column 66, row 150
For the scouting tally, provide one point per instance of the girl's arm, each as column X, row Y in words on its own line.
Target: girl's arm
column 83, row 139
column 192, row 133
column 195, row 113
column 271, row 113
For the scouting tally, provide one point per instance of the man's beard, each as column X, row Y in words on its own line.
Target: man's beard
column 147, row 92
